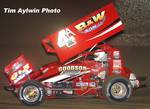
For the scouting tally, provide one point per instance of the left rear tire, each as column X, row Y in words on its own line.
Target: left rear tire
column 31, row 93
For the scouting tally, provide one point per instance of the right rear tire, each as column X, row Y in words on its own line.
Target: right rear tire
column 117, row 89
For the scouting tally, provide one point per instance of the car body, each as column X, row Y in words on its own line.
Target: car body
column 86, row 66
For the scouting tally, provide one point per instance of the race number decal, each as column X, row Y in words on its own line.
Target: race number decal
column 66, row 38
column 21, row 73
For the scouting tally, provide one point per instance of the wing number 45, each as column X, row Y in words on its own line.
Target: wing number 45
column 66, row 38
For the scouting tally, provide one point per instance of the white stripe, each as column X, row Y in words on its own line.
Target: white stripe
column 73, row 60
column 79, row 56
column 108, row 30
column 57, row 78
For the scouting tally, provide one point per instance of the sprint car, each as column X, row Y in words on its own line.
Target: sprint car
column 85, row 66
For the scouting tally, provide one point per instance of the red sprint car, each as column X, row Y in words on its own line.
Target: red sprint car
column 86, row 65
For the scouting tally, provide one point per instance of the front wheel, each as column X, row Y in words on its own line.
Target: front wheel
column 31, row 93
column 117, row 89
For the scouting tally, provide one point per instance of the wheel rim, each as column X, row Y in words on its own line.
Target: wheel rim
column 118, row 90
column 31, row 93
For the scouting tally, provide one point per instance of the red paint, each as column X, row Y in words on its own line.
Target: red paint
column 82, row 84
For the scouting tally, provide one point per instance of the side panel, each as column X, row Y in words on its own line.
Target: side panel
column 18, row 70
column 84, row 33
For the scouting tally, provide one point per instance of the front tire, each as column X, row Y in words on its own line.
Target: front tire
column 31, row 93
column 117, row 89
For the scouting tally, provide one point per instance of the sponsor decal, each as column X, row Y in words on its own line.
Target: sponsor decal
column 92, row 23
column 85, row 84
column 21, row 73
column 68, row 92
column 72, row 68
column 119, row 23
column 71, row 72
column 116, row 64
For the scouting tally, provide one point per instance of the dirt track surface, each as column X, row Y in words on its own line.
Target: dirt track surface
column 136, row 102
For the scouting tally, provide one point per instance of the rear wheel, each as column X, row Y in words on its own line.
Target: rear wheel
column 31, row 93
column 117, row 89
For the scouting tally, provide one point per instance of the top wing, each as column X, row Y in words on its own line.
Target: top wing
column 84, row 33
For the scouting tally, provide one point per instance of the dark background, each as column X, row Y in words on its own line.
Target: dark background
column 23, row 33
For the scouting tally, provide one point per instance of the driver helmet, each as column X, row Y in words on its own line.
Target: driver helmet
column 100, row 56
